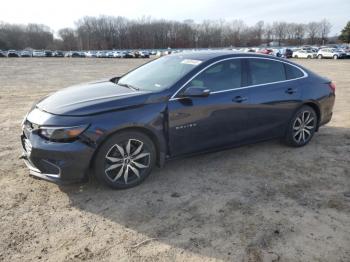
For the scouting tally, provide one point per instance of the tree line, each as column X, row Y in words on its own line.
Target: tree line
column 109, row 32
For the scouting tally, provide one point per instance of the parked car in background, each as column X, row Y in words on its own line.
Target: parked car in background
column 48, row 53
column 109, row 54
column 304, row 54
column 144, row 54
column 90, row 54
column 265, row 51
column 174, row 106
column 2, row 53
column 129, row 54
column 26, row 53
column 277, row 52
column 74, row 54
column 113, row 54
column 330, row 53
column 13, row 53
column 117, row 54
column 346, row 51
column 58, row 53
column 38, row 53
column 101, row 54
column 287, row 53
column 245, row 50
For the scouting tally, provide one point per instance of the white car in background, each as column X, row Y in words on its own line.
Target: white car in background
column 117, row 54
column 304, row 54
column 38, row 53
column 90, row 54
column 330, row 53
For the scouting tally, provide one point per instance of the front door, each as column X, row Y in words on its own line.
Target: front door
column 200, row 123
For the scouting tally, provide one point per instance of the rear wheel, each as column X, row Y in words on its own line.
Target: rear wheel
column 319, row 56
column 309, row 57
column 125, row 160
column 301, row 127
column 295, row 56
column 335, row 57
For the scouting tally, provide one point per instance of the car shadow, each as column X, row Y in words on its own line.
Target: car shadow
column 239, row 202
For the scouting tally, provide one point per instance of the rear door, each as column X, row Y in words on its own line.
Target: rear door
column 274, row 96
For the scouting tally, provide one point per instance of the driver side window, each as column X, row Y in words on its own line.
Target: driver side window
column 219, row 77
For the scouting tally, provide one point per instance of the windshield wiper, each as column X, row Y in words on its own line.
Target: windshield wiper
column 129, row 86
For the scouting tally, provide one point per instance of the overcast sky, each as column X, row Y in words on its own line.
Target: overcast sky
column 63, row 13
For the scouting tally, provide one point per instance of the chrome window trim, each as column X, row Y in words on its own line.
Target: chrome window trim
column 243, row 87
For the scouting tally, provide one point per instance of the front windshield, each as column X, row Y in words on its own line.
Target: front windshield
column 159, row 74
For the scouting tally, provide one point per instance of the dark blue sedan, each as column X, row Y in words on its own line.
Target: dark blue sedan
column 174, row 106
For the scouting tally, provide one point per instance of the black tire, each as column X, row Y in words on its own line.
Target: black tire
column 296, row 56
column 309, row 57
column 301, row 127
column 117, row 170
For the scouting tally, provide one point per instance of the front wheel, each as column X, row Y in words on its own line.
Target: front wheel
column 319, row 56
column 335, row 57
column 125, row 160
column 301, row 127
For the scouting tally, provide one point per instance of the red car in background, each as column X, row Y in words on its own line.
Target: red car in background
column 264, row 51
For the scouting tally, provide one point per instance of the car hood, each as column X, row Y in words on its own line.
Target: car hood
column 91, row 98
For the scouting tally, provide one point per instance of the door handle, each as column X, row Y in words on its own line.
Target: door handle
column 239, row 99
column 291, row 91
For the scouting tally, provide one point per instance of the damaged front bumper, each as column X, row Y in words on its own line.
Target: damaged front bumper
column 60, row 163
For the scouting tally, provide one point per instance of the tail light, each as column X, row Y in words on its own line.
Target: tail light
column 332, row 86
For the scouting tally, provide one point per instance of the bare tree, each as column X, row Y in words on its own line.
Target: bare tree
column 69, row 39
column 109, row 32
column 280, row 31
column 313, row 30
column 325, row 28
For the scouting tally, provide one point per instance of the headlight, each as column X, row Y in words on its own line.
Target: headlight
column 62, row 133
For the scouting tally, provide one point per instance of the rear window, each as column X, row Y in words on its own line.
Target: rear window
column 293, row 72
column 264, row 71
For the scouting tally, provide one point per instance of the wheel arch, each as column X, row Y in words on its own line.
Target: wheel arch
column 315, row 107
column 160, row 147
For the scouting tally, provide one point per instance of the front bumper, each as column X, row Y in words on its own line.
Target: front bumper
column 60, row 163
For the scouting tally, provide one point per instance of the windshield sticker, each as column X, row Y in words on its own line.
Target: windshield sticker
column 191, row 62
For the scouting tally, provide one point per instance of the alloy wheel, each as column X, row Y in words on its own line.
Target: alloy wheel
column 126, row 162
column 303, row 127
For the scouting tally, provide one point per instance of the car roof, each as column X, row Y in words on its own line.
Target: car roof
column 217, row 54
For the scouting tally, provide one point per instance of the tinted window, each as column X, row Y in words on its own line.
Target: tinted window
column 292, row 72
column 221, row 76
column 264, row 71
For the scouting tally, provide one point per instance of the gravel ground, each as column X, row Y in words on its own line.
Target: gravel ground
column 262, row 202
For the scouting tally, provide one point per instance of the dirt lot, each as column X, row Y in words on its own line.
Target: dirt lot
column 263, row 202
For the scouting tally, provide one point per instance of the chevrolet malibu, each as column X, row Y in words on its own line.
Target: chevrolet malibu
column 174, row 106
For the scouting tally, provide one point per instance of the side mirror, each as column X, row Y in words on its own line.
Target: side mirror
column 195, row 91
column 115, row 79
